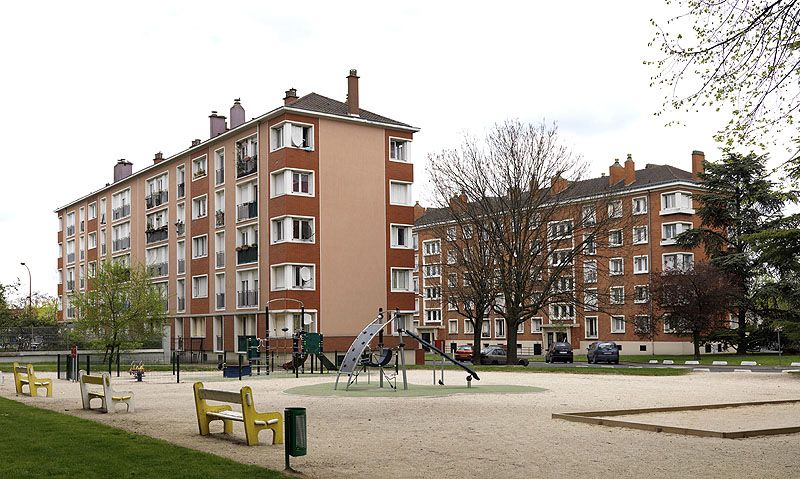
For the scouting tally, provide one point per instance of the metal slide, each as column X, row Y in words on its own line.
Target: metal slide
column 352, row 359
column 326, row 362
column 442, row 353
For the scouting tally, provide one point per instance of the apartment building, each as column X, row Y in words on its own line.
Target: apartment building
column 653, row 204
column 292, row 209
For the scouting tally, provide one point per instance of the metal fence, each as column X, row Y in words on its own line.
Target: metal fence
column 47, row 338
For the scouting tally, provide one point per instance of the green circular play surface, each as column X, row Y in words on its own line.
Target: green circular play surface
column 414, row 390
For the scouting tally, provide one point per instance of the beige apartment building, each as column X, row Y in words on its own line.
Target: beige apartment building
column 296, row 208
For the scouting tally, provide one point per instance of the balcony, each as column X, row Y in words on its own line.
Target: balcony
column 156, row 234
column 158, row 269
column 70, row 258
column 120, row 212
column 155, row 199
column 180, row 228
column 246, row 298
column 220, row 259
column 71, row 230
column 219, row 217
column 245, row 211
column 121, row 244
column 220, row 176
column 246, row 166
column 181, row 190
column 181, row 304
column 70, row 285
column 220, row 300
column 246, row 254
column 181, row 266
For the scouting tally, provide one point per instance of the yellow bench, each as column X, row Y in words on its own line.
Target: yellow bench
column 105, row 394
column 254, row 422
column 24, row 375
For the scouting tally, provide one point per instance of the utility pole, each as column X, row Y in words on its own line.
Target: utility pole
column 30, row 289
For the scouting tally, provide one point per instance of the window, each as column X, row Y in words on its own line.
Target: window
column 199, row 246
column 180, row 256
column 640, row 264
column 500, row 328
column 591, row 327
column 180, row 180
column 92, row 270
column 676, row 202
column 564, row 284
column 589, row 245
column 246, row 201
column 180, row 294
column 219, row 249
column 615, row 209
column 561, row 257
column 81, row 220
column 485, row 329
column 432, row 270
column 617, row 295
column 247, row 288
column 81, row 248
column 681, row 261
column 199, row 207
column 246, row 238
column 431, row 247
column 615, row 238
column 466, row 232
column 121, row 236
column 560, row 229
column 590, row 300
column 102, row 211
column 617, row 324
column 92, row 238
column 433, row 316
column 180, row 219
column 415, row 281
column 293, row 229
column 219, row 208
column 670, row 231
column 400, row 193
column 219, row 290
column 451, row 257
column 293, row 276
column 639, row 234
column 92, row 211
column 669, row 327
column 291, row 135
column 616, row 266
column 641, row 294
column 197, row 327
column 102, row 243
column 640, row 205
column 452, row 280
column 219, row 165
column 452, row 326
column 536, row 325
column 401, row 280
column 398, row 150
column 415, row 241
column 120, row 204
column 70, row 223
column 590, row 271
column 416, row 263
column 199, row 286
column 562, row 312
column 589, row 214
column 199, row 167
column 433, row 292
column 156, row 260
column 401, row 236
column 469, row 326
column 452, row 304
column 292, row 182
column 156, row 221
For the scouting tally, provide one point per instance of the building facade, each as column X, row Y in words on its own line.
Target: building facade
column 653, row 204
column 292, row 209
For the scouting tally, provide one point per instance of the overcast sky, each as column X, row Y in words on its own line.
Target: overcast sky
column 87, row 83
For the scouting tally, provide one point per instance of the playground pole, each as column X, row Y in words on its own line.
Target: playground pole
column 402, row 346
column 178, row 367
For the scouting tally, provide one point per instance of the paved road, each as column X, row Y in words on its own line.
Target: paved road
column 694, row 367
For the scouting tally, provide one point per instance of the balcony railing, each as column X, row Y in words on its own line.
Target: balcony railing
column 156, row 199
column 220, row 259
column 181, row 190
column 220, row 176
column 220, row 300
column 121, row 244
column 70, row 258
column 181, row 304
column 180, row 227
column 246, row 166
column 70, row 285
column 245, row 211
column 181, row 266
column 71, row 230
column 120, row 212
column 219, row 218
column 158, row 269
column 218, row 343
column 246, row 254
column 247, row 298
column 157, row 234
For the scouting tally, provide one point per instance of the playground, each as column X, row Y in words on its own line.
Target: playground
column 488, row 430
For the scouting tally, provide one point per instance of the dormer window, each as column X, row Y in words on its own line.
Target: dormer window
column 294, row 135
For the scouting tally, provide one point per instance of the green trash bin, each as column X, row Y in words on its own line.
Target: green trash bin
column 294, row 423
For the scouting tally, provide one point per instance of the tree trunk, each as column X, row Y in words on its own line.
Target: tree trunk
column 696, row 343
column 476, row 343
column 111, row 359
column 511, row 343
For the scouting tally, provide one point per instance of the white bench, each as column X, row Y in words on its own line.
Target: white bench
column 106, row 394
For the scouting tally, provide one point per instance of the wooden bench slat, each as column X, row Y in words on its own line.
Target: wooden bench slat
column 223, row 396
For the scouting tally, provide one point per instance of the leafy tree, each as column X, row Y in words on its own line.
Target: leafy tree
column 120, row 309
column 738, row 55
column 740, row 200
column 694, row 301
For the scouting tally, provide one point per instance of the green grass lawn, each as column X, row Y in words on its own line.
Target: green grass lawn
column 40, row 443
column 570, row 370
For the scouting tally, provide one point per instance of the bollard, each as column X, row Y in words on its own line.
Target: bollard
column 88, row 364
column 294, row 424
column 178, row 367
column 240, row 367
column 58, row 366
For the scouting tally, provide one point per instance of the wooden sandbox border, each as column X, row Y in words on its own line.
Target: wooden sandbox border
column 598, row 417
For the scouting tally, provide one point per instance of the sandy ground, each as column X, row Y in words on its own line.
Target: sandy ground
column 486, row 436
column 725, row 420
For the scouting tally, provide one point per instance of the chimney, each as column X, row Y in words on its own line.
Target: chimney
column 558, row 184
column 616, row 173
column 237, row 113
column 217, row 123
column 196, row 142
column 352, row 93
column 122, row 169
column 291, row 97
column 419, row 211
column 630, row 170
column 698, row 157
column 458, row 201
column 158, row 158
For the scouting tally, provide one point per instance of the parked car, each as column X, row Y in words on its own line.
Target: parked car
column 497, row 355
column 606, row 351
column 464, row 353
column 558, row 352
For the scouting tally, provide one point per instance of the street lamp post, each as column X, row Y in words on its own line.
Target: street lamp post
column 30, row 288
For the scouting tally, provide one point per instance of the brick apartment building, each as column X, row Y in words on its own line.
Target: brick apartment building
column 324, row 182
column 656, row 205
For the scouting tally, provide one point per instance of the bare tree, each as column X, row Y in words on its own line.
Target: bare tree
column 517, row 191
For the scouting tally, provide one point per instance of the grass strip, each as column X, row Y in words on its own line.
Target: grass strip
column 569, row 370
column 42, row 443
